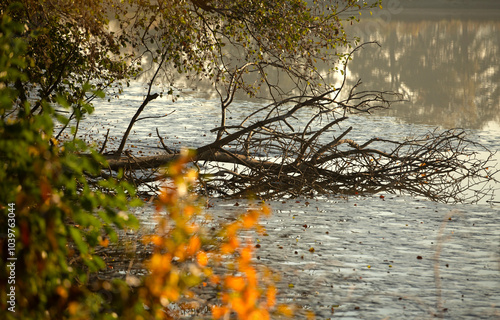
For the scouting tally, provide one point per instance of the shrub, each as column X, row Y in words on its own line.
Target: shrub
column 56, row 214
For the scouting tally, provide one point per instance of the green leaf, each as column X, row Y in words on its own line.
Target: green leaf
column 77, row 237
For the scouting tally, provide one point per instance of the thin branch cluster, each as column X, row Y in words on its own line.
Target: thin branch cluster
column 277, row 156
column 274, row 153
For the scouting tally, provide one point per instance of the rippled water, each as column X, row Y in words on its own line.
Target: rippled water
column 380, row 257
column 398, row 257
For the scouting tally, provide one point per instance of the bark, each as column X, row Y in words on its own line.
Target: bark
column 153, row 162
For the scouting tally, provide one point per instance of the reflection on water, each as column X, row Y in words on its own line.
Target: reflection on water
column 448, row 68
column 446, row 59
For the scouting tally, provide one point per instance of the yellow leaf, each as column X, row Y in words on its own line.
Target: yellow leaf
column 266, row 210
column 285, row 310
column 73, row 308
column 160, row 263
column 170, row 294
column 310, row 315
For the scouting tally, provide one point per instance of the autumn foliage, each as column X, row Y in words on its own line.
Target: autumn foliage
column 189, row 256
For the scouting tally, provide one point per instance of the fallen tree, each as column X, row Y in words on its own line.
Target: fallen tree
column 274, row 155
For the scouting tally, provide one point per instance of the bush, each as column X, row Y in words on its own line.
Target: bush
column 56, row 214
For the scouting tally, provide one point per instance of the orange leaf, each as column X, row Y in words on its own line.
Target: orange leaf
column 230, row 246
column 61, row 291
column 232, row 229
column 164, row 197
column 202, row 258
column 251, row 297
column 156, row 240
column 215, row 279
column 310, row 315
column 45, row 189
column 73, row 308
column 235, row 283
column 246, row 255
column 188, row 211
column 259, row 314
column 171, row 294
column 251, row 275
column 271, row 296
column 226, row 249
column 104, row 242
column 250, row 219
column 181, row 252
column 239, row 305
column 219, row 312
column 194, row 245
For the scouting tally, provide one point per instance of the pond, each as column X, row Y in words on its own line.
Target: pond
column 382, row 256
